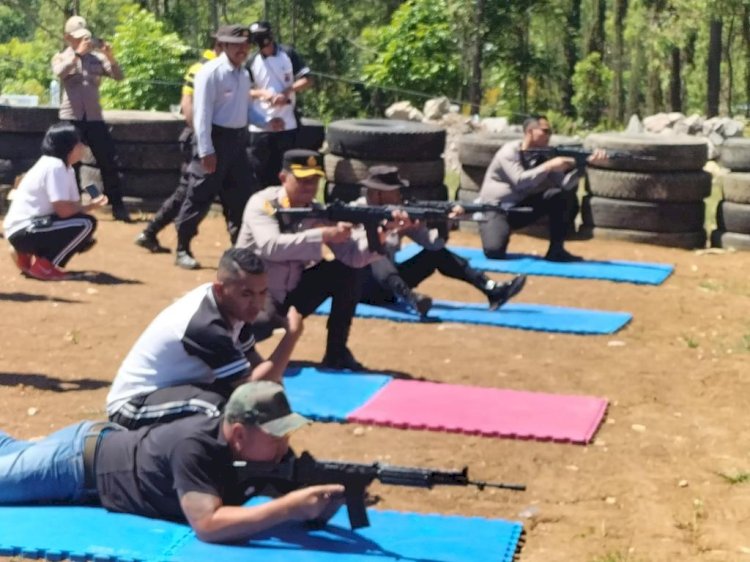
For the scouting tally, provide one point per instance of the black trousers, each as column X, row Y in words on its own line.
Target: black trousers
column 334, row 279
column 495, row 232
column 97, row 136
column 266, row 151
column 379, row 284
column 233, row 182
column 174, row 402
column 54, row 238
column 170, row 208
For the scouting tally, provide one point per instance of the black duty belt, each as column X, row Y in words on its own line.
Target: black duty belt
column 90, row 445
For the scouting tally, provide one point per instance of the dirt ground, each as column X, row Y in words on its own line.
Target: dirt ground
column 648, row 489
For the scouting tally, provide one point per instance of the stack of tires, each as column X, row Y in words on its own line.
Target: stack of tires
column 149, row 154
column 356, row 144
column 21, row 132
column 475, row 153
column 655, row 196
column 733, row 213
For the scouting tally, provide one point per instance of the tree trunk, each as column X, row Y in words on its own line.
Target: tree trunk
column 634, row 86
column 746, row 43
column 730, row 65
column 675, row 81
column 618, row 55
column 572, row 32
column 477, row 42
column 595, row 41
column 714, row 68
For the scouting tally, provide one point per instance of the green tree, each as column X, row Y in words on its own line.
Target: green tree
column 151, row 59
column 591, row 81
column 25, row 67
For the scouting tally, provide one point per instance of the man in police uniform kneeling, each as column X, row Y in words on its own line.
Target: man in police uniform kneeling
column 179, row 471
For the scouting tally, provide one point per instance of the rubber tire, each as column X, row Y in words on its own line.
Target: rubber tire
column 723, row 239
column 150, row 184
column 350, row 171
column 736, row 187
column 471, row 178
column 311, row 134
column 27, row 119
column 686, row 240
column 733, row 217
column 150, row 156
column 11, row 169
column 735, row 154
column 143, row 126
column 642, row 215
column 385, row 139
column 15, row 146
column 678, row 187
column 669, row 153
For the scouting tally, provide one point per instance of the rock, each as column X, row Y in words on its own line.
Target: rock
column 32, row 411
column 656, row 123
column 732, row 128
column 638, row 427
column 681, row 127
column 634, row 125
column 694, row 123
column 495, row 124
column 610, row 500
column 403, row 110
column 683, row 483
column 358, row 431
column 435, row 108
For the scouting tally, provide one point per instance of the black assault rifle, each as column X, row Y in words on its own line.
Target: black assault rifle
column 580, row 154
column 469, row 208
column 372, row 217
column 298, row 472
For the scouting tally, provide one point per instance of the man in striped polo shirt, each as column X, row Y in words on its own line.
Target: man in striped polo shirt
column 198, row 349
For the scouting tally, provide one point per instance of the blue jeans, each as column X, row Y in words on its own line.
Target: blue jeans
column 44, row 471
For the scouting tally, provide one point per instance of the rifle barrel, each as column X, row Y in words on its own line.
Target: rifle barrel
column 481, row 485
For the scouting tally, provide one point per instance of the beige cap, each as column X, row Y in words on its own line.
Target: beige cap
column 74, row 23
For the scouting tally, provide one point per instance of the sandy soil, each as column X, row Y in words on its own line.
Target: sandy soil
column 648, row 489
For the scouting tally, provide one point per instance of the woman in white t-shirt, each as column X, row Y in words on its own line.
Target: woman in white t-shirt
column 46, row 223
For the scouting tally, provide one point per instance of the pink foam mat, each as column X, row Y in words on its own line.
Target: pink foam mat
column 483, row 411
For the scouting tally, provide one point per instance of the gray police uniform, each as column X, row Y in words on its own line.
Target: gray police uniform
column 514, row 180
column 297, row 275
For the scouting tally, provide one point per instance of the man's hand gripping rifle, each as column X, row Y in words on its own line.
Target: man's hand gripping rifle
column 580, row 155
column 297, row 472
column 372, row 217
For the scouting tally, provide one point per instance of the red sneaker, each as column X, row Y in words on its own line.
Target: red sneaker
column 22, row 261
column 44, row 270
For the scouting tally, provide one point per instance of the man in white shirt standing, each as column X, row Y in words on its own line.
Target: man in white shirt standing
column 220, row 165
column 277, row 74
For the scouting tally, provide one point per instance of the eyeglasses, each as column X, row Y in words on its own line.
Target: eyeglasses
column 546, row 131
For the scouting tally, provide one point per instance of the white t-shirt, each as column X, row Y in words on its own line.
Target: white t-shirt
column 48, row 181
column 277, row 73
column 189, row 342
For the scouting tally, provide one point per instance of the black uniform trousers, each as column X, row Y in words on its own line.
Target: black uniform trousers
column 171, row 206
column 378, row 287
column 233, row 181
column 174, row 402
column 266, row 151
column 54, row 238
column 495, row 231
column 98, row 138
column 334, row 279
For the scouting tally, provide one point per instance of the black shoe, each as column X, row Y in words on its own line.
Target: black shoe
column 343, row 361
column 149, row 242
column 185, row 260
column 562, row 256
column 120, row 213
column 420, row 302
column 503, row 293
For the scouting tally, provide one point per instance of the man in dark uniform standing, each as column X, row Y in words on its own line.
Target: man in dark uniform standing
column 277, row 74
column 220, row 165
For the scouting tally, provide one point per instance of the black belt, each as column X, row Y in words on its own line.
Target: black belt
column 228, row 130
column 90, row 445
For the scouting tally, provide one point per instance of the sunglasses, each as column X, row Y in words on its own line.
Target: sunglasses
column 546, row 131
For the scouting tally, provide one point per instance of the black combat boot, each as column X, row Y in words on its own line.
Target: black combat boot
column 500, row 293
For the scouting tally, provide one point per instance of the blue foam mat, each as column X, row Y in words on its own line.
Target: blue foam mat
column 642, row 273
column 512, row 315
column 88, row 533
column 326, row 395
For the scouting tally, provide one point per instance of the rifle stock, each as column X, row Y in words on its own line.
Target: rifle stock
column 305, row 470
